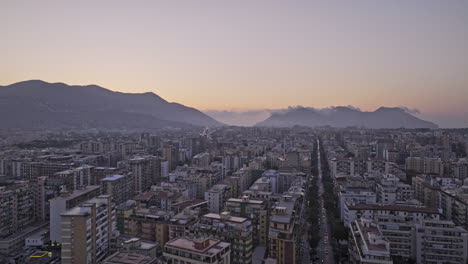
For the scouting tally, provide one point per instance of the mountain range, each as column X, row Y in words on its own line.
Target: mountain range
column 39, row 105
column 383, row 117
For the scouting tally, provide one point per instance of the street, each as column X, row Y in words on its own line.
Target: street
column 324, row 250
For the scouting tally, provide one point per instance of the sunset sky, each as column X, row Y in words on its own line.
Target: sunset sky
column 249, row 54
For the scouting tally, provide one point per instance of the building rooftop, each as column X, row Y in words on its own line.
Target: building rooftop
column 284, row 211
column 77, row 193
column 202, row 246
column 394, row 207
column 113, row 177
column 128, row 258
column 226, row 217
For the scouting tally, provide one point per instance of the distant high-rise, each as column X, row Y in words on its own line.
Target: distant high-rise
column 171, row 154
column 146, row 171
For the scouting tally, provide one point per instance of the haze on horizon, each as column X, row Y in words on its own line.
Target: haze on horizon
column 249, row 54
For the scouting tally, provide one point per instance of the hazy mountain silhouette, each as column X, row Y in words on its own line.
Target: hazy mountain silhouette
column 384, row 117
column 40, row 105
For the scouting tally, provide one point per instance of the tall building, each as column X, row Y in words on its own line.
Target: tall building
column 146, row 171
column 171, row 154
column 282, row 233
column 201, row 160
column 150, row 224
column 235, row 230
column 76, row 177
column 86, row 231
column 17, row 207
column 120, row 187
column 256, row 211
column 216, row 197
column 197, row 251
column 65, row 202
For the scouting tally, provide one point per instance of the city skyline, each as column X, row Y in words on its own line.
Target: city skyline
column 244, row 56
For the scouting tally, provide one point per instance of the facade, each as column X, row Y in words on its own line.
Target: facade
column 86, row 231
column 201, row 160
column 355, row 196
column 257, row 212
column 235, row 230
column 425, row 165
column 398, row 224
column 171, row 154
column 17, row 207
column 283, row 235
column 441, row 242
column 390, row 190
column 75, row 178
column 180, row 223
column 197, row 251
column 120, row 187
column 150, row 224
column 145, row 171
column 216, row 197
column 65, row 202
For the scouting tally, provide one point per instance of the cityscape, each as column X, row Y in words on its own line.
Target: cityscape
column 236, row 195
column 234, row 132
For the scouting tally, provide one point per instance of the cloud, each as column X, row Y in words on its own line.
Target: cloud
column 411, row 111
column 251, row 117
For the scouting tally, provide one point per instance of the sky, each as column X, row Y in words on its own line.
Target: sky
column 248, row 54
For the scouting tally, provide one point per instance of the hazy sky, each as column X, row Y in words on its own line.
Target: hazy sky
column 249, row 54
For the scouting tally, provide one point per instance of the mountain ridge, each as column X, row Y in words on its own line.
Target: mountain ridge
column 33, row 101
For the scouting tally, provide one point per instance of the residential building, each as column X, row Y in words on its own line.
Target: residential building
column 283, row 231
column 216, row 197
column 86, row 231
column 197, row 251
column 65, row 202
column 120, row 187
column 367, row 244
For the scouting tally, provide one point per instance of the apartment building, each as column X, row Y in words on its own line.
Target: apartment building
column 390, row 190
column 65, row 202
column 256, row 211
column 86, row 231
column 441, row 242
column 216, row 197
column 425, row 165
column 235, row 230
column 145, row 171
column 396, row 222
column 150, row 224
column 367, row 244
column 283, row 237
column 185, row 250
column 120, row 187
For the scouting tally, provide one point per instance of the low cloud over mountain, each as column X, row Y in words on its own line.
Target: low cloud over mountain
column 340, row 116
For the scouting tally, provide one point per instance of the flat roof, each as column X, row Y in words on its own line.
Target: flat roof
column 114, row 177
column 212, row 247
column 77, row 193
column 128, row 258
column 394, row 207
column 230, row 218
